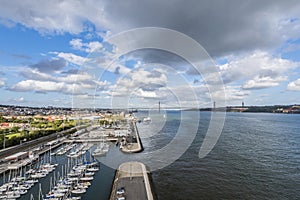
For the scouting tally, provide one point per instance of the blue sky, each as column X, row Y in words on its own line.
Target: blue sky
column 59, row 54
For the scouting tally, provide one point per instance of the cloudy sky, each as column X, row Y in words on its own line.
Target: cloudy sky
column 61, row 53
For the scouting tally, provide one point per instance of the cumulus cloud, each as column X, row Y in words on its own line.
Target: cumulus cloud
column 49, row 65
column 263, row 82
column 54, row 17
column 38, row 86
column 145, row 94
column 87, row 47
column 233, row 94
column 294, row 86
column 223, row 27
column 139, row 82
column 71, row 58
column 35, row 74
column 37, row 81
column 51, row 86
column 259, row 69
column 117, row 68
column 250, row 30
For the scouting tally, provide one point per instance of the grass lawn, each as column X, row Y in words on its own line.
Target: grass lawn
column 13, row 134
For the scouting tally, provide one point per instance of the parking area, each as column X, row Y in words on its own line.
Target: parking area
column 134, row 188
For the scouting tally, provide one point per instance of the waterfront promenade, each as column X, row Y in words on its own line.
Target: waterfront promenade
column 132, row 182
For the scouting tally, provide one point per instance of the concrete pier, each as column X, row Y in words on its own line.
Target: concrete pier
column 132, row 182
column 134, row 147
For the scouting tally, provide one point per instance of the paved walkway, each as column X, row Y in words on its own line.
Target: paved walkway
column 133, row 147
column 133, row 177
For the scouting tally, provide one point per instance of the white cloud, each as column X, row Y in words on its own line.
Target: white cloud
column 145, row 94
column 254, row 25
column 263, row 82
column 258, row 63
column 50, row 86
column 49, row 65
column 94, row 46
column 2, row 83
column 38, row 86
column 55, row 16
column 87, row 47
column 142, row 81
column 233, row 94
column 76, row 44
column 72, row 58
column 35, row 74
column 80, row 83
column 294, row 86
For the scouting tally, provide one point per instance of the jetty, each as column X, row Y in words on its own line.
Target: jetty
column 133, row 145
column 132, row 182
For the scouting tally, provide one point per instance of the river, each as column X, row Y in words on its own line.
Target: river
column 256, row 157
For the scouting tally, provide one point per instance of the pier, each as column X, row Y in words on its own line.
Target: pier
column 132, row 182
column 133, row 147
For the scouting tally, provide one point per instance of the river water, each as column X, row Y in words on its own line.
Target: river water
column 256, row 157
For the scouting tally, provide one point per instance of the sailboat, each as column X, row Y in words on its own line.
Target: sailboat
column 101, row 149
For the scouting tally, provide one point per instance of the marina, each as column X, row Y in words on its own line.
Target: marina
column 73, row 175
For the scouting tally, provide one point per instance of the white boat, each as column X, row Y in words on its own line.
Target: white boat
column 38, row 175
column 147, row 119
column 98, row 152
column 73, row 198
column 73, row 179
column 92, row 164
column 53, row 194
column 92, row 169
column 30, row 171
column 101, row 150
column 21, row 192
column 78, row 191
column 19, row 178
column 89, row 174
column 31, row 181
column 3, row 188
column 3, row 196
column 80, row 186
column 60, row 190
column 13, row 195
column 87, row 178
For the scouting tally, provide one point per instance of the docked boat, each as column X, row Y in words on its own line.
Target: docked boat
column 78, row 191
column 92, row 169
column 98, row 152
column 147, row 119
column 86, row 178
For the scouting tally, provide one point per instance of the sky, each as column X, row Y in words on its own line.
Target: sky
column 72, row 53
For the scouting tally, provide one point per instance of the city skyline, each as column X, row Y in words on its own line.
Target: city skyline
column 47, row 49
